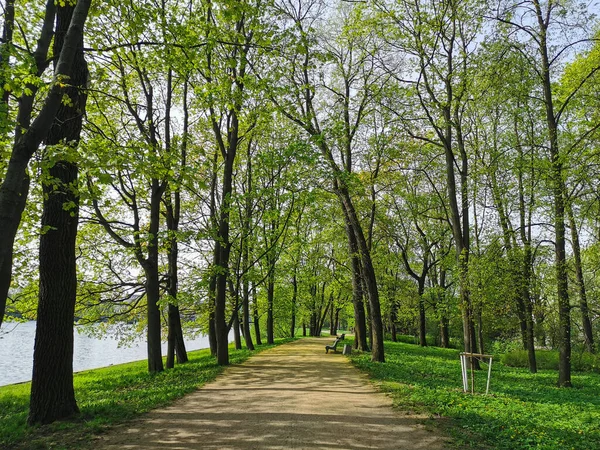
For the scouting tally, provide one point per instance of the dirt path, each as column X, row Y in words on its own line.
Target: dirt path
column 293, row 396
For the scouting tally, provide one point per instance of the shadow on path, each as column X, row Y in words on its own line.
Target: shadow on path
column 293, row 396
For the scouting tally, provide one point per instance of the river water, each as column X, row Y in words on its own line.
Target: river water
column 16, row 351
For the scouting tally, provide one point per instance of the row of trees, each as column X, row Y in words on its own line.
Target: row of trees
column 412, row 166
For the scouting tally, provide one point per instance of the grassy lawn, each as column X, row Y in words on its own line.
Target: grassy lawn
column 523, row 410
column 105, row 397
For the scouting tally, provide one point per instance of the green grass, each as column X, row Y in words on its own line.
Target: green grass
column 107, row 396
column 523, row 410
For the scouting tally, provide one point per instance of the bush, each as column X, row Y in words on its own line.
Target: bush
column 548, row 359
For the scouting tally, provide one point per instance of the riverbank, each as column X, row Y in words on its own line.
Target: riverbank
column 107, row 396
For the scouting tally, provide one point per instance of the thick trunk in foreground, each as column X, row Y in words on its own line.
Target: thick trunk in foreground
column 52, row 392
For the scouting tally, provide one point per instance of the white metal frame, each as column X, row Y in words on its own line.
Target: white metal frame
column 464, row 369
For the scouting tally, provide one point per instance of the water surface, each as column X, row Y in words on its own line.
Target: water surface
column 16, row 351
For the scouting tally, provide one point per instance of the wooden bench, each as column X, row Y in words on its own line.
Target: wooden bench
column 334, row 345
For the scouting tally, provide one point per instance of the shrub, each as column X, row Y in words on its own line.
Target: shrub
column 548, row 359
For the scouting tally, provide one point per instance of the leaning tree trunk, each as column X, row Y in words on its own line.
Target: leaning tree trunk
column 583, row 304
column 29, row 134
column 7, row 40
column 368, row 275
column 360, row 323
column 176, row 343
column 52, row 392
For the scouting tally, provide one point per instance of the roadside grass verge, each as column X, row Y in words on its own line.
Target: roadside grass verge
column 522, row 411
column 107, row 396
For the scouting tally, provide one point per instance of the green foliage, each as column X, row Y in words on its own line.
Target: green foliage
column 523, row 410
column 107, row 397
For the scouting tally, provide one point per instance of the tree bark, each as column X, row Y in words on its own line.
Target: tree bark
column 237, row 338
column 294, row 300
column 556, row 178
column 52, row 392
column 368, row 275
column 176, row 344
column 246, row 315
column 270, row 298
column 256, row 316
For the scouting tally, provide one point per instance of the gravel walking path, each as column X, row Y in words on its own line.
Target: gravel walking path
column 293, row 396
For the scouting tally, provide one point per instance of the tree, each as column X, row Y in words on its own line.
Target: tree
column 541, row 24
column 30, row 133
column 301, row 92
column 439, row 37
column 52, row 393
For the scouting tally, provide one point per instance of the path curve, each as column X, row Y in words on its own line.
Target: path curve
column 293, row 396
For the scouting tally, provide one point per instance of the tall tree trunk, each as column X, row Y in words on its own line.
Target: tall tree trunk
column 246, row 254
column 583, row 304
column 176, row 344
column 556, row 179
column 152, row 287
column 294, row 300
column 332, row 330
column 422, row 322
column 222, row 251
column 393, row 318
column 212, row 332
column 52, row 392
column 270, row 297
column 256, row 316
column 370, row 280
column 236, row 330
column 527, row 262
column 360, row 323
column 246, row 315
